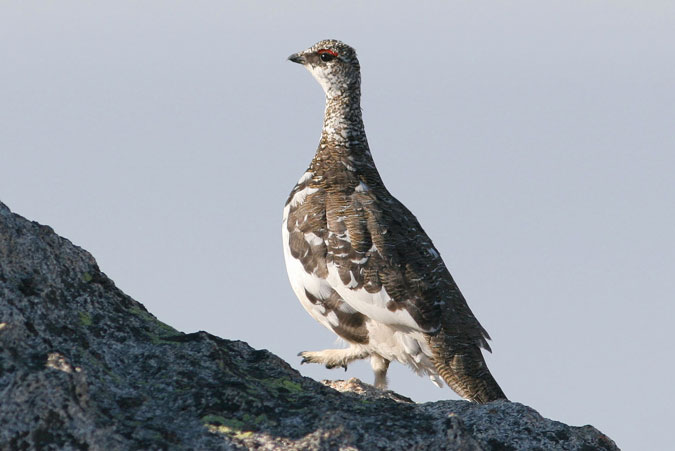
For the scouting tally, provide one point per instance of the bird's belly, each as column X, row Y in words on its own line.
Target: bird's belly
column 405, row 346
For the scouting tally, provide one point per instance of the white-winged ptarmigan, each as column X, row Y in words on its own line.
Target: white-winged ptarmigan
column 361, row 264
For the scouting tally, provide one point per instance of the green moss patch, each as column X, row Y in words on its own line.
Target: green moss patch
column 85, row 319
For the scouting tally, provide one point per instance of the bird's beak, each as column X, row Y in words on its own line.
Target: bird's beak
column 297, row 58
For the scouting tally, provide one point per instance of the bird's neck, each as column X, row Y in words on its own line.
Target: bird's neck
column 343, row 148
column 343, row 158
column 342, row 122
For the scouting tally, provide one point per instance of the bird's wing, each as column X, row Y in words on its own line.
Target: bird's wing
column 383, row 264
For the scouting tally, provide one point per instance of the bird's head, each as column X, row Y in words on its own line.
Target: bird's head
column 333, row 64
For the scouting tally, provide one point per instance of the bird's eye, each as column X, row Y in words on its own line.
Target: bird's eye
column 326, row 55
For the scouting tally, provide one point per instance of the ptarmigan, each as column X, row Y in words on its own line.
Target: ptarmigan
column 359, row 261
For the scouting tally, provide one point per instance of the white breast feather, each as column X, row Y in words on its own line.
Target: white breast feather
column 300, row 196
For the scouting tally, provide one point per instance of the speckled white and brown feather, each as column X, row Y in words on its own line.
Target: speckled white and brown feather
column 360, row 262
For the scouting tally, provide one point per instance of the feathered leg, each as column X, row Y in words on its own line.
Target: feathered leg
column 334, row 358
column 380, row 366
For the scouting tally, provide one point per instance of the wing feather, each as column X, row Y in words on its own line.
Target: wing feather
column 383, row 264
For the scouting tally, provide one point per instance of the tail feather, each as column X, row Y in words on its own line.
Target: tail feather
column 464, row 369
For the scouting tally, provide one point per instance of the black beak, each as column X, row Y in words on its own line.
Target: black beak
column 297, row 58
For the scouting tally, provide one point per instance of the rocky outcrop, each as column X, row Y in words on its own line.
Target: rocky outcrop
column 84, row 366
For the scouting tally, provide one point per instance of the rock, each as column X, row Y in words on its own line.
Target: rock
column 82, row 365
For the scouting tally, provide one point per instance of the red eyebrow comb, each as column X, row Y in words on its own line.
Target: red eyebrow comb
column 330, row 52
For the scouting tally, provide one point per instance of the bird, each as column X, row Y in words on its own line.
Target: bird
column 361, row 264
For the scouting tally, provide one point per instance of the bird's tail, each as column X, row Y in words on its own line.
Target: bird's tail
column 464, row 369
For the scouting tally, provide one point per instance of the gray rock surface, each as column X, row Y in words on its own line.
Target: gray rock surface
column 84, row 366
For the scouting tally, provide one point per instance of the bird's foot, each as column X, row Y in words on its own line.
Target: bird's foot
column 331, row 358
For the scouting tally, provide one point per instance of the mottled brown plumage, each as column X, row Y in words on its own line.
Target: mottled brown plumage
column 359, row 260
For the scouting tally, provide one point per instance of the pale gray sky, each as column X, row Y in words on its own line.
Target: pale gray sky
column 534, row 141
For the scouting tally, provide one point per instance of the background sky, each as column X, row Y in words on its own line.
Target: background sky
column 534, row 141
